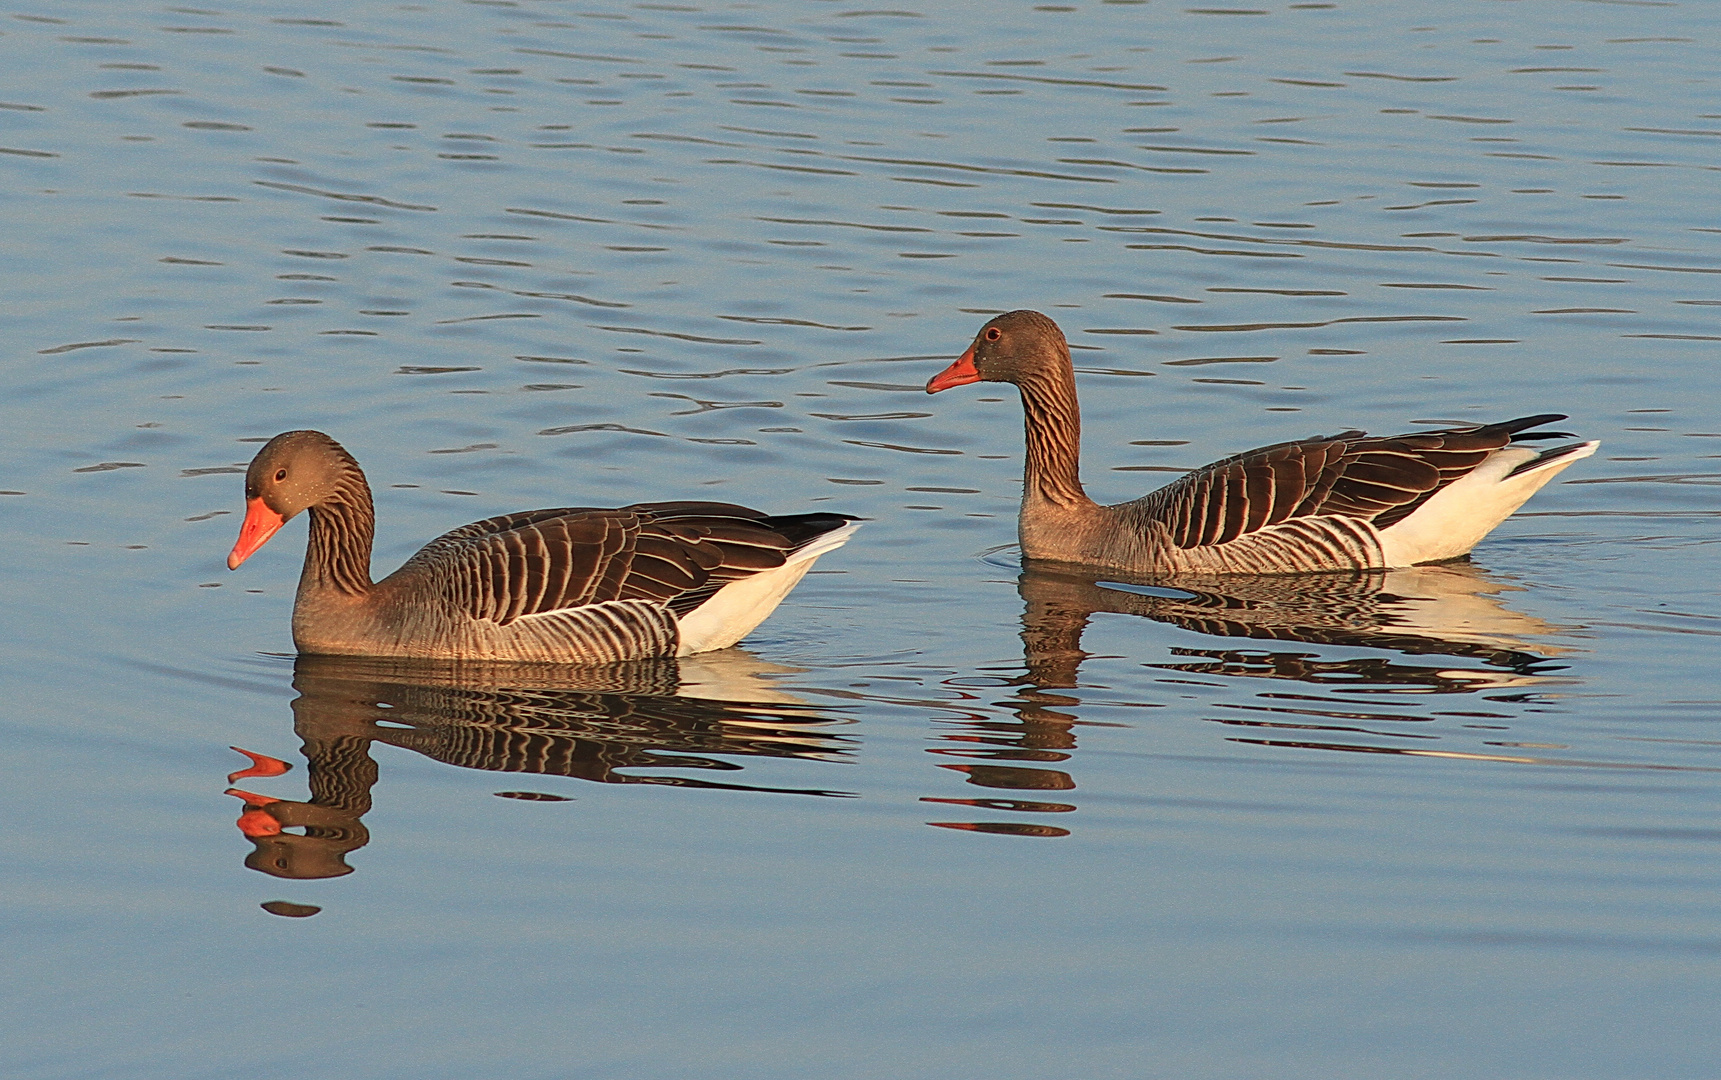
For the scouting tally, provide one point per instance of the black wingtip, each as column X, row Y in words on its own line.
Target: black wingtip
column 802, row 529
column 1519, row 429
column 1547, row 457
column 1524, row 423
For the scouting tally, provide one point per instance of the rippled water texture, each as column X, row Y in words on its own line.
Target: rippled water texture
column 937, row 818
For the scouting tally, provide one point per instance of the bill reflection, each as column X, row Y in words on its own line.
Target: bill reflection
column 698, row 715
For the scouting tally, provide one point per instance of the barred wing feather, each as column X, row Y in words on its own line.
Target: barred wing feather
column 675, row 555
column 1379, row 480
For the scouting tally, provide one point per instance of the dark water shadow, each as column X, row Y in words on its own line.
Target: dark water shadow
column 538, row 720
column 1430, row 630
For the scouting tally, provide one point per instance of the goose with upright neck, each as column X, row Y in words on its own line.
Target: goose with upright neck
column 1343, row 502
column 571, row 585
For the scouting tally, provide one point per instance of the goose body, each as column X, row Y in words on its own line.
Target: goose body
column 1343, row 502
column 572, row 585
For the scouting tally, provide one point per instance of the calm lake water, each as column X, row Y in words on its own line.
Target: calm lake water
column 936, row 818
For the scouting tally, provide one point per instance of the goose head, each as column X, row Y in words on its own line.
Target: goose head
column 1011, row 348
column 294, row 471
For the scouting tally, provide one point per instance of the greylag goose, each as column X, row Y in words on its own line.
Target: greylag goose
column 574, row 585
column 1342, row 502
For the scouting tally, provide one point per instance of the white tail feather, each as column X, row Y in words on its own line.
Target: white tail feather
column 1450, row 524
column 830, row 541
column 735, row 609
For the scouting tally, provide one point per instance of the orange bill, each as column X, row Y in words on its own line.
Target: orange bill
column 960, row 373
column 260, row 524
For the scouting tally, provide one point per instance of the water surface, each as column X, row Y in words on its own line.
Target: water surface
column 937, row 817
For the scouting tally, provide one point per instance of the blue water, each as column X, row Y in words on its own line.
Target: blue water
column 937, row 817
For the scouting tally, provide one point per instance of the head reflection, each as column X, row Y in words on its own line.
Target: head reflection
column 582, row 723
column 1429, row 630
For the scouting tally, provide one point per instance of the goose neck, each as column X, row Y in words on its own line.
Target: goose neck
column 343, row 526
column 1053, row 438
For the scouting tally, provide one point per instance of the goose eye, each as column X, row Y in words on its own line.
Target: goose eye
column 280, row 475
column 993, row 333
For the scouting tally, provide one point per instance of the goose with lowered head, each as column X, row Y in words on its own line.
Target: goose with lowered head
column 573, row 585
column 1349, row 501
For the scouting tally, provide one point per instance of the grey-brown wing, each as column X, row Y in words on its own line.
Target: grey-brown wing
column 1222, row 501
column 1382, row 480
column 674, row 554
column 688, row 550
column 530, row 563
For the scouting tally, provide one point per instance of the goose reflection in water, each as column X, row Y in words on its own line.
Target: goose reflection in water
column 583, row 723
column 1444, row 628
column 1448, row 610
